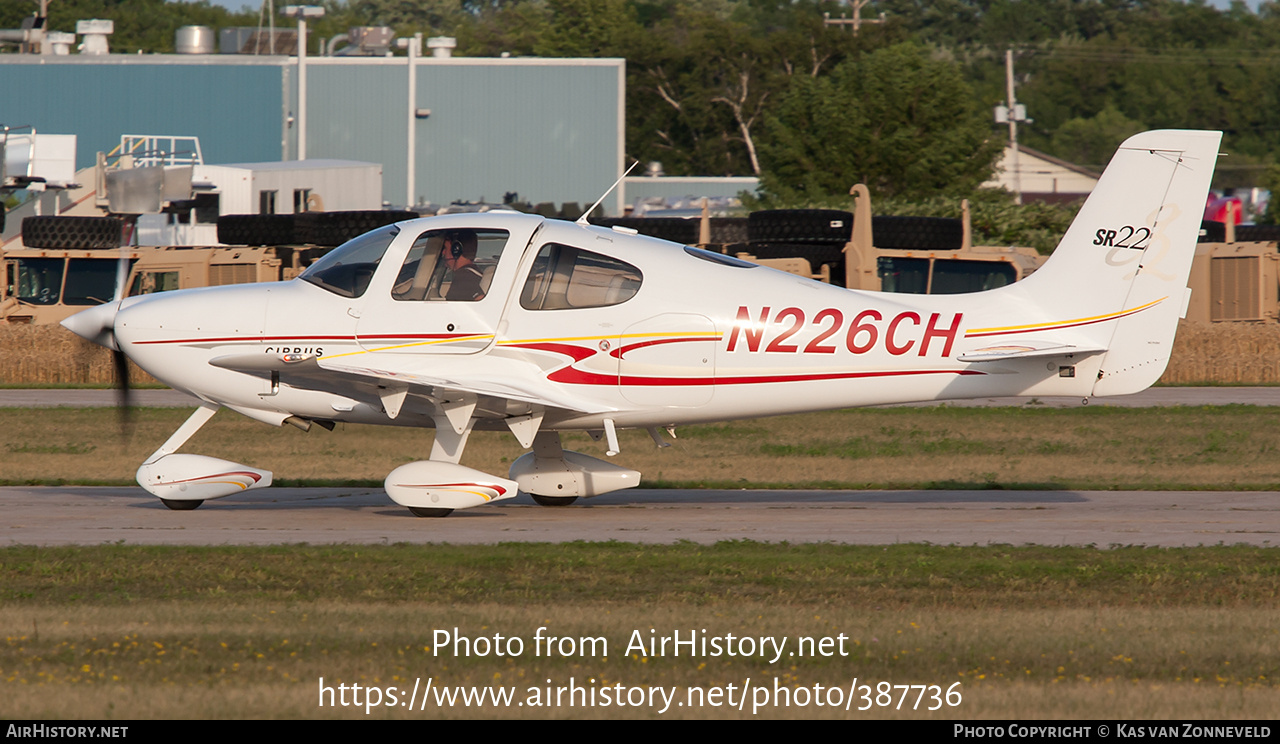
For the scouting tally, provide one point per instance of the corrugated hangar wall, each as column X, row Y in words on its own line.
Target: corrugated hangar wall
column 234, row 106
column 547, row 129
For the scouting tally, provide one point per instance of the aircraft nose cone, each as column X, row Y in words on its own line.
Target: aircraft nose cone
column 97, row 324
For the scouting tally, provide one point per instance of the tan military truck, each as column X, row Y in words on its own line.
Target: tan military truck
column 1235, row 276
column 45, row 285
column 65, row 264
column 920, row 255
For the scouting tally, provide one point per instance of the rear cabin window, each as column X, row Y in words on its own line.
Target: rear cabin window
column 565, row 277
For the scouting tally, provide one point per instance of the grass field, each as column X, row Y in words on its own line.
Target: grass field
column 1063, row 633
column 127, row 632
column 1183, row 448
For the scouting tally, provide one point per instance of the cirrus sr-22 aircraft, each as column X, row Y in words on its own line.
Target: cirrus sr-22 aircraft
column 506, row 321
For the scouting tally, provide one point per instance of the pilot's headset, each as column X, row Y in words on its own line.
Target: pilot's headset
column 455, row 244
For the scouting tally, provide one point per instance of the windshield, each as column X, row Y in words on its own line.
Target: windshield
column 347, row 269
column 90, row 281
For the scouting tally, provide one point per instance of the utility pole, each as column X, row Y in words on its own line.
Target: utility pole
column 302, row 13
column 1011, row 113
column 856, row 22
column 413, row 46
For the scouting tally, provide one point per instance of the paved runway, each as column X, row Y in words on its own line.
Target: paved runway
column 86, row 516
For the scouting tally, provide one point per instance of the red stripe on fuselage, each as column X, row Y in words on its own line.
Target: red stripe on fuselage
column 572, row 376
column 618, row 352
column 306, row 339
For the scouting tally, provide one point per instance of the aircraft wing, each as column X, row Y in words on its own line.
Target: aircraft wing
column 525, row 390
column 522, row 385
column 1027, row 349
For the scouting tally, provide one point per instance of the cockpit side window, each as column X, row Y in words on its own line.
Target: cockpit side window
column 455, row 265
column 565, row 277
column 347, row 269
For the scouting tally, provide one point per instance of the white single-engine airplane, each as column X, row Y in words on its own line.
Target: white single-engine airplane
column 511, row 321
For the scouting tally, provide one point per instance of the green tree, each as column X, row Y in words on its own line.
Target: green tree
column 700, row 83
column 898, row 119
column 1091, row 141
column 587, row 28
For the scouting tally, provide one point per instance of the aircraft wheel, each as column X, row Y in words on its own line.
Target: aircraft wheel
column 181, row 504
column 553, row 500
column 420, row 511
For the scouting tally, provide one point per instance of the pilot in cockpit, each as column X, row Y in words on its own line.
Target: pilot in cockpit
column 458, row 251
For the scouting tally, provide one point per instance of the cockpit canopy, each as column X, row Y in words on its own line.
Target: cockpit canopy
column 458, row 264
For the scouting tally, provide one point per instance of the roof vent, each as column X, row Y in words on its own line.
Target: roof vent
column 442, row 46
column 95, row 33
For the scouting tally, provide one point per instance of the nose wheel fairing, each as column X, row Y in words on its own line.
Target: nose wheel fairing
column 198, row 478
column 184, row 482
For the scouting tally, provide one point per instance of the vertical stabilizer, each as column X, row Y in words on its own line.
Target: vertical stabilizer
column 1120, row 272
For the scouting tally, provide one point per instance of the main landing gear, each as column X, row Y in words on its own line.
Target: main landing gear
column 551, row 475
column 429, row 488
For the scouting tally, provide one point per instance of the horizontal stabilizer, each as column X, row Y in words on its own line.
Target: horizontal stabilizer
column 1028, row 349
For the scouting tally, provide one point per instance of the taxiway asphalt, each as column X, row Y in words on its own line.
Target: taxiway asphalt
column 95, row 515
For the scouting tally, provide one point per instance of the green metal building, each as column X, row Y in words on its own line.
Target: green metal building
column 548, row 130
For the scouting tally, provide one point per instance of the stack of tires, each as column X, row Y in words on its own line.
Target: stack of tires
column 336, row 228
column 306, row 228
column 917, row 233
column 71, row 233
column 256, row 229
column 1256, row 233
column 820, row 235
column 817, row 235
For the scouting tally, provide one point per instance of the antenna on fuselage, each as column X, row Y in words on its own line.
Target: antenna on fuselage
column 583, row 219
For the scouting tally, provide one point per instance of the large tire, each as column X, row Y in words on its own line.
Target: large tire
column 917, row 233
column 71, row 233
column 429, row 513
column 808, row 226
column 553, row 501
column 336, row 228
column 257, row 229
column 1258, row 233
column 1213, row 232
column 729, row 230
column 675, row 229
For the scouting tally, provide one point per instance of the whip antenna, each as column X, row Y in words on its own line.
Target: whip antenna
column 583, row 219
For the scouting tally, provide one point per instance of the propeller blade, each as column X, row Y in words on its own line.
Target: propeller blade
column 121, row 365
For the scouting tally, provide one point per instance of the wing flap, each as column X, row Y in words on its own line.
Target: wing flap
column 1028, row 349
column 530, row 387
